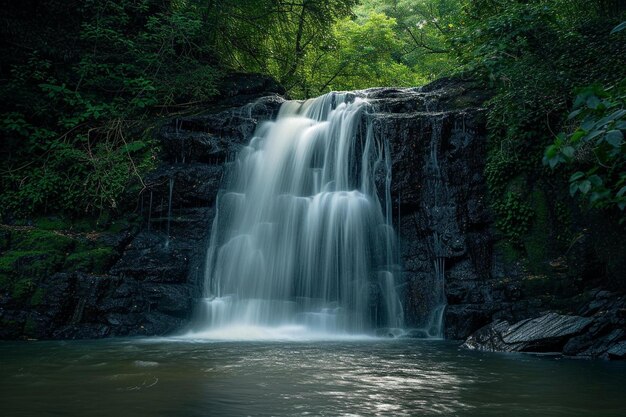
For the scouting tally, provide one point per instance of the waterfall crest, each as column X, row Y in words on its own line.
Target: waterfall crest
column 300, row 241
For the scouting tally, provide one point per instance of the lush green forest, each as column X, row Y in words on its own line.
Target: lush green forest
column 84, row 83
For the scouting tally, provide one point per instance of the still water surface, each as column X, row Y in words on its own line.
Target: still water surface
column 165, row 377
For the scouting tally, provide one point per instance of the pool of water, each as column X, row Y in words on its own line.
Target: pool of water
column 174, row 377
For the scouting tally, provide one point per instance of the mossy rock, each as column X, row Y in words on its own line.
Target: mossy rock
column 508, row 252
column 5, row 239
column 96, row 260
column 85, row 225
column 32, row 264
column 37, row 297
column 42, row 240
column 22, row 289
column 5, row 281
column 537, row 240
column 52, row 223
column 119, row 226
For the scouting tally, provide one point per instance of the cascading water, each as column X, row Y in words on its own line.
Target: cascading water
column 300, row 244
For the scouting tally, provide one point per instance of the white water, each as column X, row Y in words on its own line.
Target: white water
column 300, row 246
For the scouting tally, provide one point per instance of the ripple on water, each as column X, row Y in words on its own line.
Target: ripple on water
column 146, row 364
column 399, row 378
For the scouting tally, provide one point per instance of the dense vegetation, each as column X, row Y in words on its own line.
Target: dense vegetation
column 82, row 83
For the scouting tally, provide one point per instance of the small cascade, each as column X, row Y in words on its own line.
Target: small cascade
column 301, row 242
column 150, row 210
column 435, row 322
column 169, row 212
column 438, row 214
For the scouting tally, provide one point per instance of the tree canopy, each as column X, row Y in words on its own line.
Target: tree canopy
column 83, row 82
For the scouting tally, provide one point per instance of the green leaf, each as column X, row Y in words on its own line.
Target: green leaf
column 614, row 137
column 573, row 188
column 588, row 125
column 594, row 134
column 568, row 151
column 551, row 151
column 593, row 102
column 134, row 146
column 585, row 186
column 577, row 136
column 574, row 114
column 576, row 176
column 553, row 162
column 595, row 180
column 619, row 28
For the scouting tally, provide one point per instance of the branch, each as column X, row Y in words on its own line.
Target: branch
column 420, row 43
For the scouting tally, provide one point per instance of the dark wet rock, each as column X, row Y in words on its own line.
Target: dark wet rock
column 547, row 333
column 84, row 306
column 239, row 89
column 215, row 138
column 600, row 333
column 461, row 319
column 618, row 351
column 191, row 185
column 151, row 257
column 437, row 140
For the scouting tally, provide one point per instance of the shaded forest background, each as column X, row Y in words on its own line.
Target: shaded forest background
column 84, row 83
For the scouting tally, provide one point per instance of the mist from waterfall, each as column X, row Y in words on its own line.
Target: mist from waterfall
column 300, row 245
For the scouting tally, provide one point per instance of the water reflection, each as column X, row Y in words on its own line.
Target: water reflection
column 400, row 378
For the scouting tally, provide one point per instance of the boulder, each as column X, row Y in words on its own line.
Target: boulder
column 547, row 333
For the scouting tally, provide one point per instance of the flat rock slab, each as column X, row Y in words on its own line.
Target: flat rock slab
column 547, row 333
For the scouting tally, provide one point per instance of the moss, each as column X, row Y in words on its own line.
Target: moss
column 536, row 242
column 30, row 263
column 22, row 289
column 514, row 216
column 118, row 226
column 37, row 297
column 508, row 252
column 8, row 323
column 44, row 240
column 5, row 239
column 52, row 223
column 5, row 281
column 85, row 225
column 95, row 260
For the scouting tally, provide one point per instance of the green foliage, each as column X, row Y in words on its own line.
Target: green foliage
column 537, row 240
column 533, row 54
column 80, row 86
column 596, row 145
column 37, row 297
column 33, row 254
column 74, row 116
column 22, row 288
column 514, row 216
column 96, row 260
column 362, row 55
column 423, row 30
column 274, row 37
column 43, row 240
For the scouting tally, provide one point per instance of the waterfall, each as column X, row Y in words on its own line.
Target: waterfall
column 300, row 242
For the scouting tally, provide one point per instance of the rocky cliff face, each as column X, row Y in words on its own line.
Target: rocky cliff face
column 153, row 280
column 437, row 139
